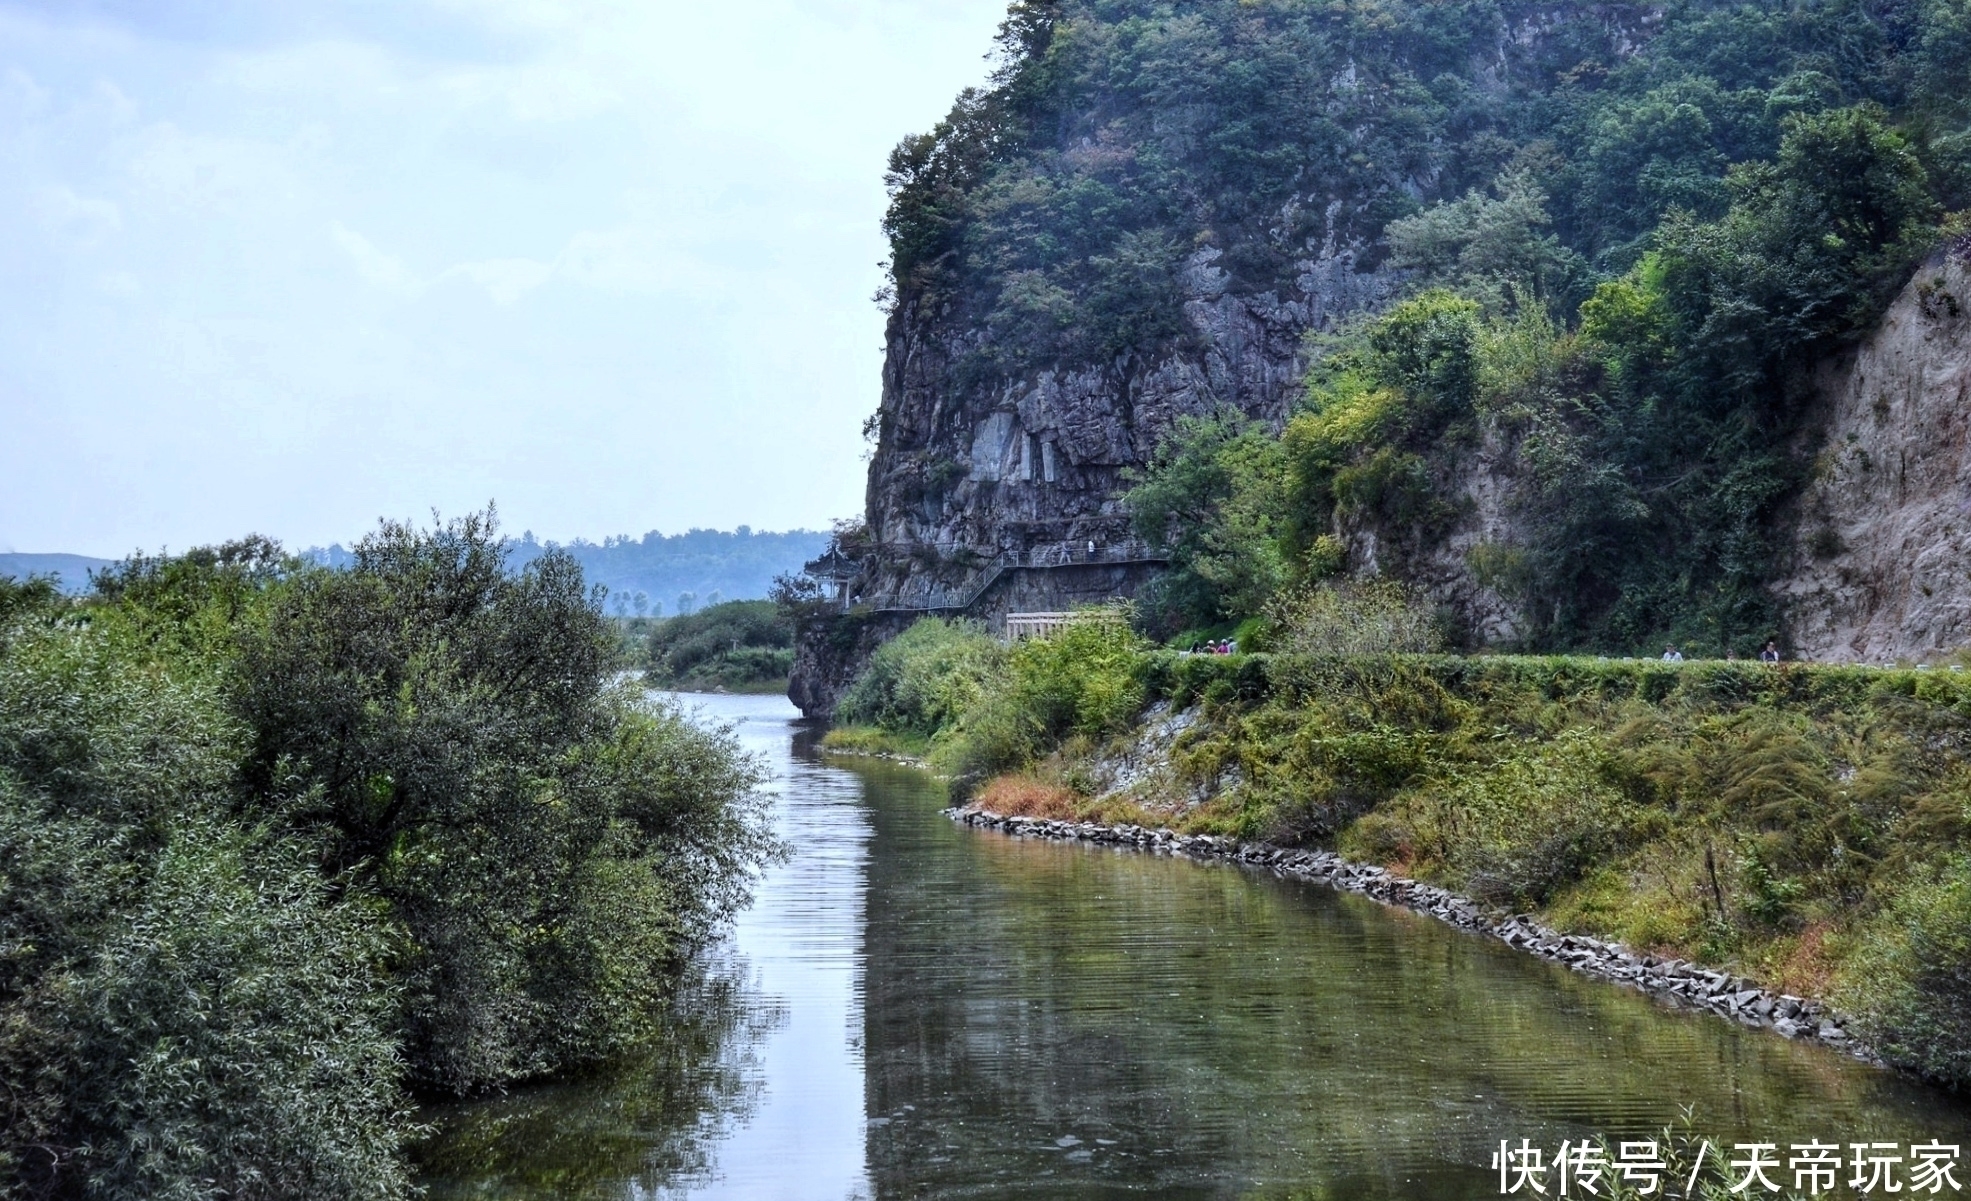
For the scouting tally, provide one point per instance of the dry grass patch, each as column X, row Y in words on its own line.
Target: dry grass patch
column 1018, row 795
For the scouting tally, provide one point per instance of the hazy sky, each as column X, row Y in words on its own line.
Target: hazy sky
column 290, row 265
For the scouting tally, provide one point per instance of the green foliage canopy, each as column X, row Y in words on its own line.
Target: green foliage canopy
column 280, row 844
column 735, row 645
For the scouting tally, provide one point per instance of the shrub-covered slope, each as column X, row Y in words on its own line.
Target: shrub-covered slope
column 1620, row 238
column 1802, row 824
column 739, row 646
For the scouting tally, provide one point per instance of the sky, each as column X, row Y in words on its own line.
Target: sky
column 287, row 267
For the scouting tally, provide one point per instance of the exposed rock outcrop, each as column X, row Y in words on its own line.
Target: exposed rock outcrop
column 1882, row 534
column 1038, row 461
column 1462, row 567
column 972, row 465
column 987, row 477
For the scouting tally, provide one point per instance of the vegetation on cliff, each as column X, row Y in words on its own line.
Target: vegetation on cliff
column 282, row 847
column 1805, row 824
column 1629, row 234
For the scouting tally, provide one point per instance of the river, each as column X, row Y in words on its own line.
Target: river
column 912, row 1009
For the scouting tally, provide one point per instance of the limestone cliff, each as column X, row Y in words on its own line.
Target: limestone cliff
column 1036, row 462
column 977, row 460
column 1153, row 206
column 989, row 480
column 1882, row 537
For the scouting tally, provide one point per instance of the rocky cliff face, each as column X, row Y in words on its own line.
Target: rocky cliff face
column 969, row 468
column 1029, row 470
column 1882, row 538
column 1037, row 462
column 1451, row 570
column 1878, row 561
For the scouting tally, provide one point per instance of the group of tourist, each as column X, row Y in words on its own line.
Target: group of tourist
column 1224, row 646
column 1769, row 655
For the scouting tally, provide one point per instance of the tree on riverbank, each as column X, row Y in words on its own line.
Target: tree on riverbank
column 281, row 846
column 735, row 646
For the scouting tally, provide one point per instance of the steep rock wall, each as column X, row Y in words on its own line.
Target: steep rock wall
column 1881, row 545
column 1449, row 568
column 1038, row 461
column 969, row 469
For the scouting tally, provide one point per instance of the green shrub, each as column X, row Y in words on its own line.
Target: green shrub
column 463, row 757
column 279, row 843
column 1911, row 984
column 234, row 1039
column 187, row 1009
column 736, row 645
column 921, row 681
column 1087, row 679
column 1367, row 617
column 1533, row 821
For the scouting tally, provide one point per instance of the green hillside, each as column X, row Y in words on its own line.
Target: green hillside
column 1628, row 232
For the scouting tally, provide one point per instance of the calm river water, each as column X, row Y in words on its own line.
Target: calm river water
column 913, row 1009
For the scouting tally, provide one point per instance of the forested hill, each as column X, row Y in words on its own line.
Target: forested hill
column 1612, row 242
column 692, row 569
column 71, row 572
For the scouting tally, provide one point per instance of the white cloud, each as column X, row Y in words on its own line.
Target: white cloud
column 505, row 280
column 383, row 270
column 83, row 219
column 377, row 259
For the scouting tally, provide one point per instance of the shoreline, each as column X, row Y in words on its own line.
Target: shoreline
column 1678, row 983
column 885, row 756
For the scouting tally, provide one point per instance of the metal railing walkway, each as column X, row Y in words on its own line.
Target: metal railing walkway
column 961, row 600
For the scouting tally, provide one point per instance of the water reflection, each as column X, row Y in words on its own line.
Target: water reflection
column 758, row 1092
column 951, row 1013
column 1048, row 1020
column 637, row 1130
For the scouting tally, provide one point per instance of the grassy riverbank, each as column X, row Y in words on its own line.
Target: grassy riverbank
column 1803, row 825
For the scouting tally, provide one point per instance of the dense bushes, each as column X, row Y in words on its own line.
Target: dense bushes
column 1913, row 981
column 187, row 1008
column 736, row 646
column 1086, row 681
column 981, row 708
column 278, row 843
column 923, row 680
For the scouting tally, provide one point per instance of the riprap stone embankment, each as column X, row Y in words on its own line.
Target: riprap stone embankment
column 1674, row 981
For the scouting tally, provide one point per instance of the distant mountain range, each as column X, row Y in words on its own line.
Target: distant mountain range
column 692, row 569
column 70, row 571
column 696, row 568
